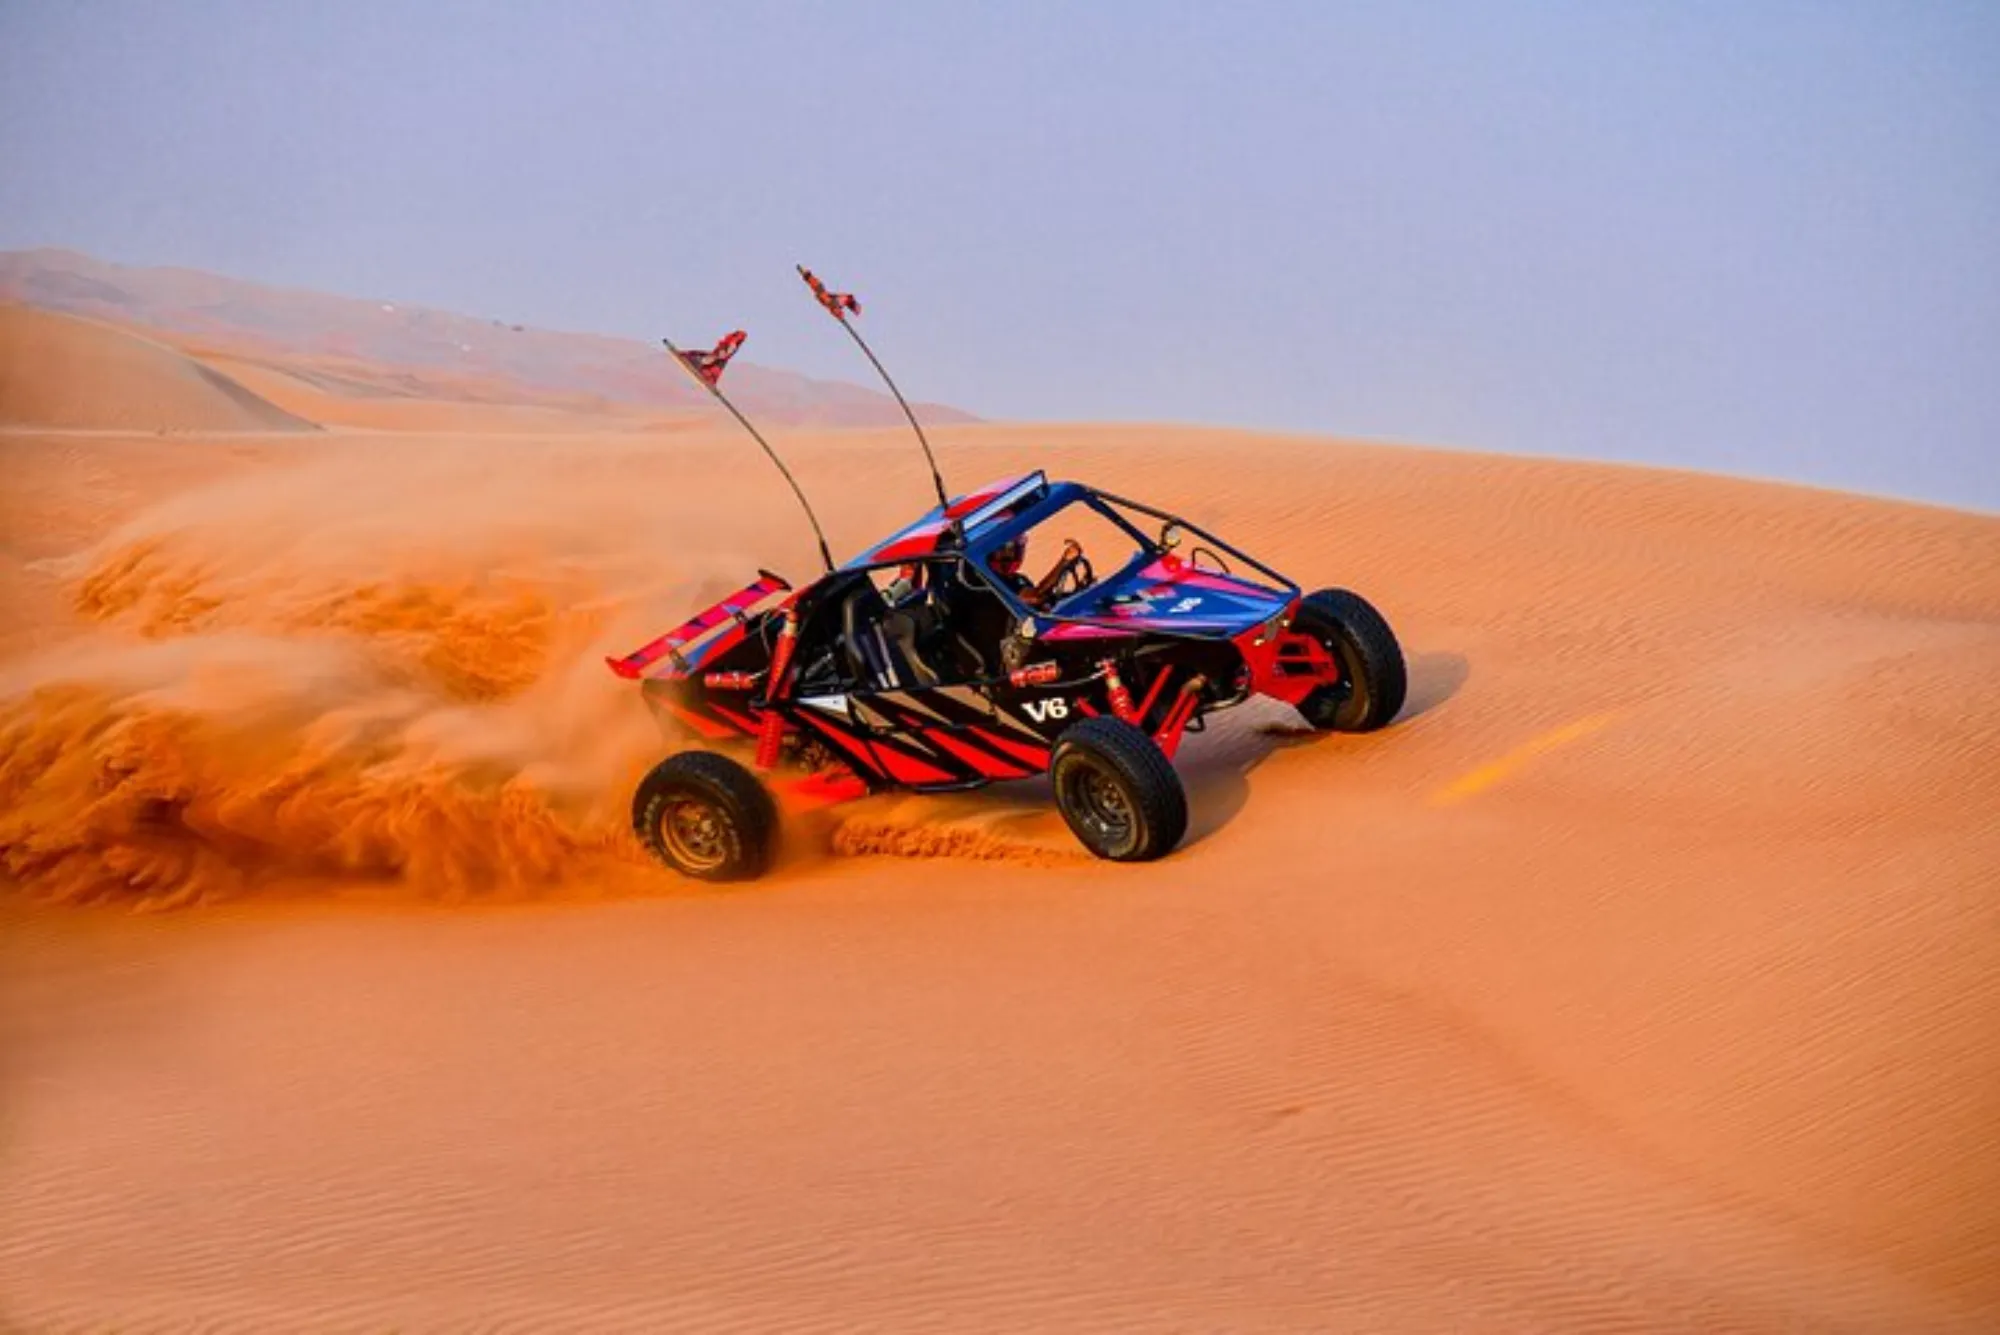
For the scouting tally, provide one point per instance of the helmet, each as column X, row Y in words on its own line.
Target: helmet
column 1007, row 557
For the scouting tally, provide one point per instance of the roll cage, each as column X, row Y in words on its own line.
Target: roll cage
column 1056, row 497
column 854, row 634
column 865, row 627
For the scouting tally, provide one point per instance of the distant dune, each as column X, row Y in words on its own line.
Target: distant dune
column 62, row 372
column 221, row 314
column 344, row 392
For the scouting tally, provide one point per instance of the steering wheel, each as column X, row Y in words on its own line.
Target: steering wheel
column 1076, row 577
column 1071, row 575
column 1194, row 559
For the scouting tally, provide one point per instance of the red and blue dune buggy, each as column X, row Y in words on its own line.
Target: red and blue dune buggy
column 930, row 663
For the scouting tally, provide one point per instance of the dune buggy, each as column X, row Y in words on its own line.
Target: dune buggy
column 921, row 665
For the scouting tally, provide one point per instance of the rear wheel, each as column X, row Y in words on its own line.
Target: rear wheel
column 1373, row 678
column 706, row 816
column 1117, row 791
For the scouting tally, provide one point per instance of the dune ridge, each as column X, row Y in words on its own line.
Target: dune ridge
column 62, row 371
column 415, row 352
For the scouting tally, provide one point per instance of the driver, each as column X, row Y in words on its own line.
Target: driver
column 1006, row 561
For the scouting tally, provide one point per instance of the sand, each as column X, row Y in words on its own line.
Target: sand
column 1643, row 976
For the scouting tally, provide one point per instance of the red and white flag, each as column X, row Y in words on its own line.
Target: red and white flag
column 838, row 304
column 709, row 365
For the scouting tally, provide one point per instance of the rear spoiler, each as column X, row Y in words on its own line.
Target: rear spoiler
column 735, row 607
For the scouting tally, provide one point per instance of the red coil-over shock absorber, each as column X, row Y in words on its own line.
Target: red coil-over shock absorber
column 1121, row 699
column 772, row 738
column 1174, row 725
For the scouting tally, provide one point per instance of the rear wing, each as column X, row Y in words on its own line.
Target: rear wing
column 735, row 608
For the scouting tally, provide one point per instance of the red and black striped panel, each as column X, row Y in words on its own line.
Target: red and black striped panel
column 715, row 716
column 952, row 732
column 925, row 738
column 889, row 760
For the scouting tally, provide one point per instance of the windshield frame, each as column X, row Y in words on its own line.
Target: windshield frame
column 1060, row 496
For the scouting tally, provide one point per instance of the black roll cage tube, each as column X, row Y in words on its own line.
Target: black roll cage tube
column 970, row 570
column 1202, row 533
column 1091, row 496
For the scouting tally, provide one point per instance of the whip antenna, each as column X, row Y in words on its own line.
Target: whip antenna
column 839, row 305
column 706, row 367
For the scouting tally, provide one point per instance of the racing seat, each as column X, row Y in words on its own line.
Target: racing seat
column 976, row 617
column 880, row 644
column 939, row 644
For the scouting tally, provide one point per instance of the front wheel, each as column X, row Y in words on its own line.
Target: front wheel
column 706, row 816
column 1373, row 679
column 1117, row 791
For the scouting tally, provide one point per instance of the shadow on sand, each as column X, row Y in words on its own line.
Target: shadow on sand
column 1434, row 679
column 1216, row 764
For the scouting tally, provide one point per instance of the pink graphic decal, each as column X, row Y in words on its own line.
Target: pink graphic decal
column 1178, row 574
column 919, row 541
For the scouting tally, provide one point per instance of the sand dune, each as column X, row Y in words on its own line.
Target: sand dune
column 61, row 371
column 1642, row 977
column 369, row 396
column 261, row 322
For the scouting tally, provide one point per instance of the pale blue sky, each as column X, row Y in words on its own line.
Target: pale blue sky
column 1752, row 237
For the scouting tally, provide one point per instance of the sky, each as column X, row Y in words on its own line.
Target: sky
column 1761, row 239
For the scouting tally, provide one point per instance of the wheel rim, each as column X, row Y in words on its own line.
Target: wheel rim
column 695, row 834
column 1346, row 699
column 1099, row 803
column 1355, row 700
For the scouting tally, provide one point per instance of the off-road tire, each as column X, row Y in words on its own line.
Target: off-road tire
column 706, row 816
column 1371, row 663
column 1117, row 791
